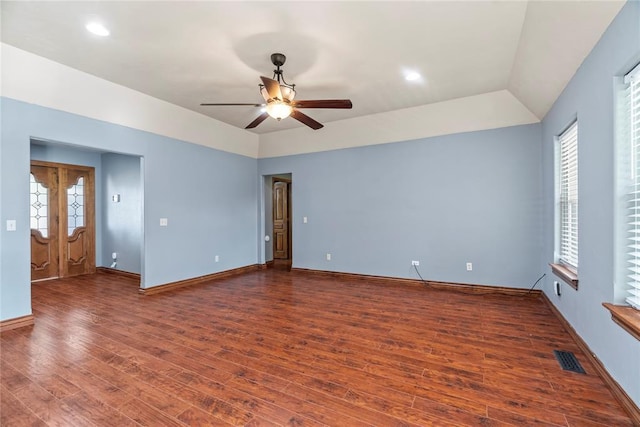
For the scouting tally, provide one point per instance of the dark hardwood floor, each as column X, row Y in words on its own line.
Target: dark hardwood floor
column 289, row 348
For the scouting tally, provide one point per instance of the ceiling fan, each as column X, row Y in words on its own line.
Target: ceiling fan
column 279, row 99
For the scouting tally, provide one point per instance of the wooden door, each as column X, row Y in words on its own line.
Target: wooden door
column 67, row 246
column 43, row 188
column 281, row 228
column 77, row 251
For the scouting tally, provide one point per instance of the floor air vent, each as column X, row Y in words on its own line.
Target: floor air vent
column 568, row 361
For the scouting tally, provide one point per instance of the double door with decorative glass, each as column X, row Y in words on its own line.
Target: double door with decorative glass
column 62, row 220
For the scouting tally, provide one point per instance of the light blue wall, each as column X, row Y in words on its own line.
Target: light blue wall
column 444, row 201
column 590, row 96
column 122, row 225
column 72, row 155
column 210, row 198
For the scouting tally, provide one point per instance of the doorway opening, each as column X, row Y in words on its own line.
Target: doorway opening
column 108, row 205
column 278, row 207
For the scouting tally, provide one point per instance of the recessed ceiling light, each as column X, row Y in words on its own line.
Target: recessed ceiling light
column 98, row 29
column 412, row 76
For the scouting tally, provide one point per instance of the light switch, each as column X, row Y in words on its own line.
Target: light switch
column 304, row 219
column 11, row 225
column 164, row 222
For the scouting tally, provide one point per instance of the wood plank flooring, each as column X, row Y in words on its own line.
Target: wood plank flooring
column 289, row 348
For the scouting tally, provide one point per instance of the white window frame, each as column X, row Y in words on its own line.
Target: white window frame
column 628, row 190
column 566, row 235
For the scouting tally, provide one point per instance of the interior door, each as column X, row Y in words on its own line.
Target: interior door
column 77, row 210
column 281, row 229
column 62, row 220
column 43, row 188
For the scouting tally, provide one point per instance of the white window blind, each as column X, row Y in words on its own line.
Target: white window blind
column 568, row 181
column 632, row 101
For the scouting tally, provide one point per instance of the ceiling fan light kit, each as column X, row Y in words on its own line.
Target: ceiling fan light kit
column 279, row 97
column 279, row 110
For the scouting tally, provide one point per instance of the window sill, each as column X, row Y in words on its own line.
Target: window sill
column 627, row 317
column 566, row 273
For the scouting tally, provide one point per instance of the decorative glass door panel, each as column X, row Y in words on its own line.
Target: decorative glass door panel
column 39, row 206
column 75, row 206
column 43, row 189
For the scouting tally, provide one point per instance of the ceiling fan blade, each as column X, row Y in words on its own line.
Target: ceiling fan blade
column 303, row 118
column 227, row 105
column 261, row 118
column 273, row 88
column 323, row 103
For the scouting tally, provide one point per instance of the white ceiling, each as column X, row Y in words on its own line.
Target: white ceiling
column 188, row 52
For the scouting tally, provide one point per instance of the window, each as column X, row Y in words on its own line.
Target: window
column 629, row 160
column 567, row 252
column 565, row 264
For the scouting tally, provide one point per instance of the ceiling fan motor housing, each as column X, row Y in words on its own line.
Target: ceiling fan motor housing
column 278, row 59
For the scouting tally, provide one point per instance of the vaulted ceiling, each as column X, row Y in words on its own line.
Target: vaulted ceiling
column 188, row 52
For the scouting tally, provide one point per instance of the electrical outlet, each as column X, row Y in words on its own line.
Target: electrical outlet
column 164, row 222
column 416, row 263
column 328, row 257
column 469, row 266
column 217, row 258
column 114, row 255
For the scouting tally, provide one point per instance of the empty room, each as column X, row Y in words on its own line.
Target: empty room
column 323, row 213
